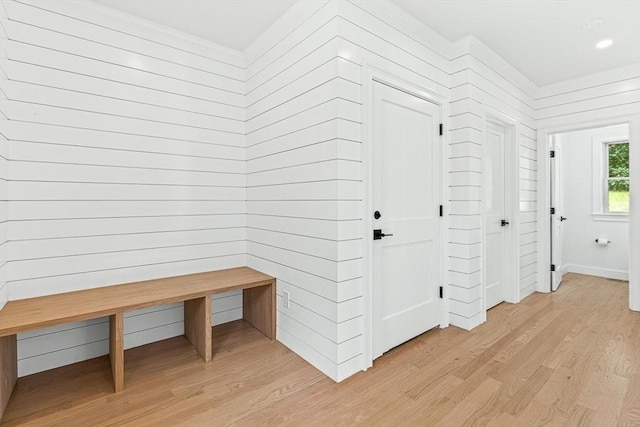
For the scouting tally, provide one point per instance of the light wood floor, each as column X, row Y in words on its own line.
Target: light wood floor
column 568, row 358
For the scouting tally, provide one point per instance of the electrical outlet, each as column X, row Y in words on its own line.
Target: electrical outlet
column 287, row 300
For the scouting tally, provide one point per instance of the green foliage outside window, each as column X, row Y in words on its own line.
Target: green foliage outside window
column 618, row 177
column 619, row 166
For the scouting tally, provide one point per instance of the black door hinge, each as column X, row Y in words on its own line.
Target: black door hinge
column 553, row 211
column 441, row 129
column 441, row 211
column 552, row 153
column 553, row 267
column 441, row 292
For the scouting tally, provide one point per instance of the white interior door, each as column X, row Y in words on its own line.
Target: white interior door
column 557, row 218
column 495, row 205
column 406, row 199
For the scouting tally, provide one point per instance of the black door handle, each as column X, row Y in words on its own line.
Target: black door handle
column 378, row 234
column 563, row 218
column 377, row 215
column 504, row 222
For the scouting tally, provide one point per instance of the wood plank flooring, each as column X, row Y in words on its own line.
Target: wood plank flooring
column 571, row 358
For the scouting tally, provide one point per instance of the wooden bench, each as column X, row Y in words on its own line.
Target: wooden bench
column 194, row 289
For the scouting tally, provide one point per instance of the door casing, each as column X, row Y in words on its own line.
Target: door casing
column 512, row 189
column 376, row 72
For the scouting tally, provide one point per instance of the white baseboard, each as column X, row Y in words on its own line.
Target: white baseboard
column 467, row 323
column 527, row 291
column 595, row 271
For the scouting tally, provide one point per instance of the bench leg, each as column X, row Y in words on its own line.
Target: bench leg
column 259, row 308
column 8, row 369
column 197, row 325
column 116, row 350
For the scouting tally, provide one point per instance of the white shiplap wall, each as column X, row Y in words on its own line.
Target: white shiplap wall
column 132, row 152
column 124, row 149
column 473, row 77
column 483, row 82
column 303, row 184
column 4, row 183
column 304, row 172
column 379, row 36
column 612, row 93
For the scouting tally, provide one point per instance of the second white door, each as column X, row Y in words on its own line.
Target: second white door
column 406, row 199
column 496, row 221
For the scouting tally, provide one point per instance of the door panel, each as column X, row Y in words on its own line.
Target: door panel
column 406, row 191
column 495, row 211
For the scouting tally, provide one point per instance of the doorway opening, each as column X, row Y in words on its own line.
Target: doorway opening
column 589, row 189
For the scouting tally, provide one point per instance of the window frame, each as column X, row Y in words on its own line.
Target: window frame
column 601, row 178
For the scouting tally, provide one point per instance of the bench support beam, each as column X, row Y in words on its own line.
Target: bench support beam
column 116, row 350
column 8, row 369
column 259, row 308
column 197, row 325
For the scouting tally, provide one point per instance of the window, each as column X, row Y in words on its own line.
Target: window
column 616, row 177
column 610, row 174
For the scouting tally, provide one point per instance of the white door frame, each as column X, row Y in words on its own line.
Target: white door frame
column 512, row 210
column 555, row 225
column 372, row 72
column 544, row 241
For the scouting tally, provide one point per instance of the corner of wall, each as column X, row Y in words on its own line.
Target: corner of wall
column 483, row 81
column 4, row 183
column 479, row 49
column 301, row 149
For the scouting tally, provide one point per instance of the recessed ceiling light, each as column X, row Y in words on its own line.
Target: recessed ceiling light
column 603, row 44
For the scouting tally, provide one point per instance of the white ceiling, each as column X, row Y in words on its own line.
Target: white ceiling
column 544, row 39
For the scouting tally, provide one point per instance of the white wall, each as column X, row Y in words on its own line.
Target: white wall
column 303, row 167
column 483, row 83
column 135, row 152
column 124, row 147
column 382, row 39
column 609, row 94
column 306, row 200
column 389, row 43
column 4, row 183
column 114, row 213
column 580, row 254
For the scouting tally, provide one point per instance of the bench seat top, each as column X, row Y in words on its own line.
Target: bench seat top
column 35, row 313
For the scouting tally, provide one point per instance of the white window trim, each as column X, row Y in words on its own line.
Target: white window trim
column 599, row 168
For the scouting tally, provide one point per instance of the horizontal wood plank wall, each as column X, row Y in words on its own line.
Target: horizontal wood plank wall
column 304, row 171
column 303, row 116
column 4, row 176
column 481, row 79
column 4, row 183
column 124, row 145
column 598, row 96
column 528, row 223
column 383, row 37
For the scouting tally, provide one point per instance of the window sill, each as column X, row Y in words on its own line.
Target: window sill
column 615, row 217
